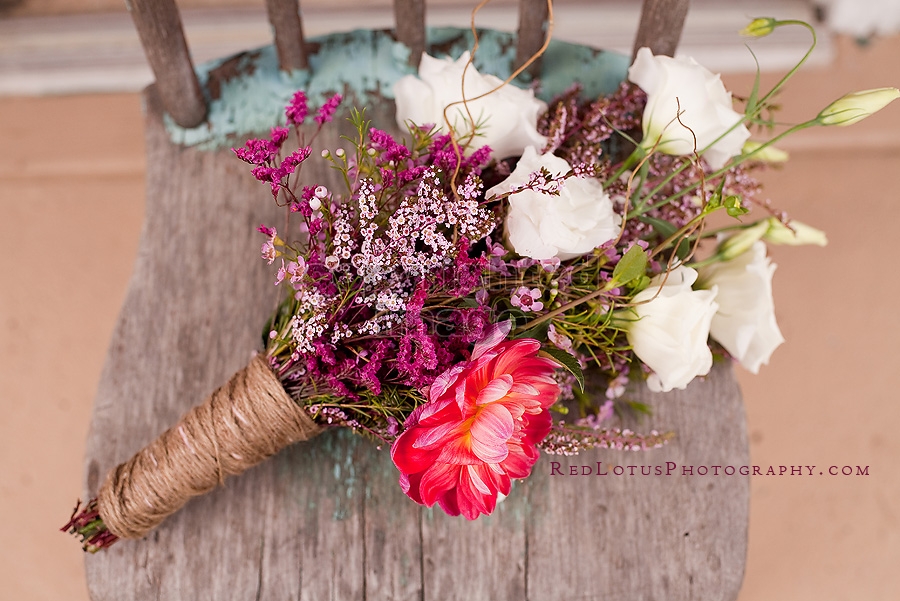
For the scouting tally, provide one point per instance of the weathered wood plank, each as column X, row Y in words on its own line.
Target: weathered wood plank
column 653, row 536
column 158, row 24
column 661, row 24
column 409, row 16
column 284, row 15
column 532, row 32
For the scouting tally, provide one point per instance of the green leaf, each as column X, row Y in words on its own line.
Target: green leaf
column 734, row 207
column 663, row 227
column 642, row 408
column 470, row 302
column 683, row 249
column 630, row 267
column 567, row 361
column 538, row 332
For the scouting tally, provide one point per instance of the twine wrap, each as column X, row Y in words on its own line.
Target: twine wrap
column 242, row 423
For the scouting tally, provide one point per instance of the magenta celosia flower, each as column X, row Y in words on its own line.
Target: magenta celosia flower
column 479, row 428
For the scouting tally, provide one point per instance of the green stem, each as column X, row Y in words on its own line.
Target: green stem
column 737, row 161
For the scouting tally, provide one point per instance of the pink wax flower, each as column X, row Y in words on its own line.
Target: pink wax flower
column 479, row 428
column 527, row 299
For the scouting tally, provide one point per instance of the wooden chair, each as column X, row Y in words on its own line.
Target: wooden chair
column 326, row 519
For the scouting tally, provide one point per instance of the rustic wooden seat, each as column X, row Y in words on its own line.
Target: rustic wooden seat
column 326, row 519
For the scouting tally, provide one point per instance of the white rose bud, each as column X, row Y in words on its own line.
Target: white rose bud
column 671, row 333
column 565, row 225
column 794, row 233
column 745, row 322
column 739, row 243
column 857, row 106
column 706, row 108
column 769, row 154
column 506, row 119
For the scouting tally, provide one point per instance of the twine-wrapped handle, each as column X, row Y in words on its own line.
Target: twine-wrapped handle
column 238, row 426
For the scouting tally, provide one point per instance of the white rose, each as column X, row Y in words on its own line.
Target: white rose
column 565, row 226
column 745, row 322
column 507, row 118
column 671, row 333
column 706, row 108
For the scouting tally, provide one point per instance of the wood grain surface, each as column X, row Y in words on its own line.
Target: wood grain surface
column 158, row 24
column 326, row 519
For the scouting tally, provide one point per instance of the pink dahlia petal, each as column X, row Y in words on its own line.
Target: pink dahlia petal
column 448, row 502
column 477, row 482
column 444, row 381
column 518, row 463
column 494, row 335
column 407, row 458
column 437, row 480
column 525, row 389
column 495, row 390
column 492, row 426
column 537, row 427
column 473, row 503
column 429, row 438
column 438, row 412
column 458, row 452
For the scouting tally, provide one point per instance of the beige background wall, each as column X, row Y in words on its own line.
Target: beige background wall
column 71, row 201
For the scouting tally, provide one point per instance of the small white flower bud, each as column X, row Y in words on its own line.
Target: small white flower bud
column 794, row 233
column 857, row 106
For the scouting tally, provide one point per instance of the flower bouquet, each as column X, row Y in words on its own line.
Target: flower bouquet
column 447, row 300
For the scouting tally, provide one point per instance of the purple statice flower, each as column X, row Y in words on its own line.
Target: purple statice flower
column 290, row 162
column 260, row 151
column 297, row 109
column 256, row 151
column 387, row 177
column 326, row 112
column 411, row 174
column 393, row 426
column 466, row 275
column 279, row 135
column 527, row 300
column 478, row 159
column 374, row 362
column 391, row 150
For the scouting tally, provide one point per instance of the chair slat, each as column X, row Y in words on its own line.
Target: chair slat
column 158, row 24
column 661, row 24
column 409, row 15
column 284, row 15
column 532, row 31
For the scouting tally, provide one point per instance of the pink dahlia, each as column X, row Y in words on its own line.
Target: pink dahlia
column 479, row 428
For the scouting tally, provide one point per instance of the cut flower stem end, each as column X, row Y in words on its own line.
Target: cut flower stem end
column 87, row 524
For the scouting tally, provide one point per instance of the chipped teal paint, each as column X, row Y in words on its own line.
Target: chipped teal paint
column 366, row 64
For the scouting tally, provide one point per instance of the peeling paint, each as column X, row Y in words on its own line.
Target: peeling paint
column 247, row 93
